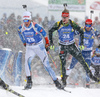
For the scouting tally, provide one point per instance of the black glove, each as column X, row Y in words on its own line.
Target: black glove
column 24, row 44
column 47, row 47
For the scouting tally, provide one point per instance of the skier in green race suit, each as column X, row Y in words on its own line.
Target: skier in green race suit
column 66, row 29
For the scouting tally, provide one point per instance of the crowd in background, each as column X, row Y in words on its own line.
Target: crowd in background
column 9, row 37
column 8, row 29
column 9, row 25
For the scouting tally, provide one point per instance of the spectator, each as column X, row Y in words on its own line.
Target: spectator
column 96, row 24
column 19, row 20
column 45, row 23
column 11, row 21
column 51, row 22
column 38, row 19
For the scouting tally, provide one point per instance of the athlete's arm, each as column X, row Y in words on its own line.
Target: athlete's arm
column 20, row 35
column 80, row 30
column 55, row 27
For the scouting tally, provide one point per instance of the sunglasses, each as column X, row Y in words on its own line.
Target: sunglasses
column 25, row 20
column 88, row 25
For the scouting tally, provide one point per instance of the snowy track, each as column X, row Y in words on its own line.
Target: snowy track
column 51, row 91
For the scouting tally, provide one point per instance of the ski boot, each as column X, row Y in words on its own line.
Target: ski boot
column 87, row 85
column 29, row 83
column 64, row 80
column 58, row 85
column 3, row 84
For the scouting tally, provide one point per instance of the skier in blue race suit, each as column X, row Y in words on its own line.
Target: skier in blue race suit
column 95, row 61
column 66, row 31
column 89, row 35
column 31, row 35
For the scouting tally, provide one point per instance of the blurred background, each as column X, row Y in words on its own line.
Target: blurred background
column 45, row 13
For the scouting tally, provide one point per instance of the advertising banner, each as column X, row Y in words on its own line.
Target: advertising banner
column 18, row 68
column 73, row 5
column 95, row 5
column 10, row 67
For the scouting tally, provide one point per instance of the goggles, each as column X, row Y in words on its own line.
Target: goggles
column 88, row 25
column 25, row 20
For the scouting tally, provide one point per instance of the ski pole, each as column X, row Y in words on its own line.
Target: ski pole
column 91, row 13
column 51, row 58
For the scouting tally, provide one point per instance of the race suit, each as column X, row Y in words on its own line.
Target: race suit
column 86, row 52
column 95, row 63
column 66, row 34
column 32, row 36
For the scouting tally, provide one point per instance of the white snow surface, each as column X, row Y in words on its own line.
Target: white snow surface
column 52, row 91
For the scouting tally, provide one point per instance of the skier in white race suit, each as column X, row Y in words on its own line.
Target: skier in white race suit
column 31, row 34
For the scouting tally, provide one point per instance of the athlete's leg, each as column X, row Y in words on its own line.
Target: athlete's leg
column 77, row 54
column 28, row 58
column 41, row 52
column 62, row 55
column 87, row 58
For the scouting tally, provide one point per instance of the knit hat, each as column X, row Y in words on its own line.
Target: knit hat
column 27, row 15
column 88, row 21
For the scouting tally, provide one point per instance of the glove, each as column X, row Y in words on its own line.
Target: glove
column 52, row 47
column 81, row 47
column 24, row 44
column 47, row 43
column 47, row 47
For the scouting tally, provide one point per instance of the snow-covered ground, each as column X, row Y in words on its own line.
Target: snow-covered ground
column 52, row 91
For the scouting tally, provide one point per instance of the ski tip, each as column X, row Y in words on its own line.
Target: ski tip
column 66, row 90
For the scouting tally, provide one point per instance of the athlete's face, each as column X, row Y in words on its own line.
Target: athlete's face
column 27, row 22
column 65, row 19
column 88, row 27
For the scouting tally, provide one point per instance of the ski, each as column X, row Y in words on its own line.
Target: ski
column 14, row 92
column 66, row 90
column 25, row 89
